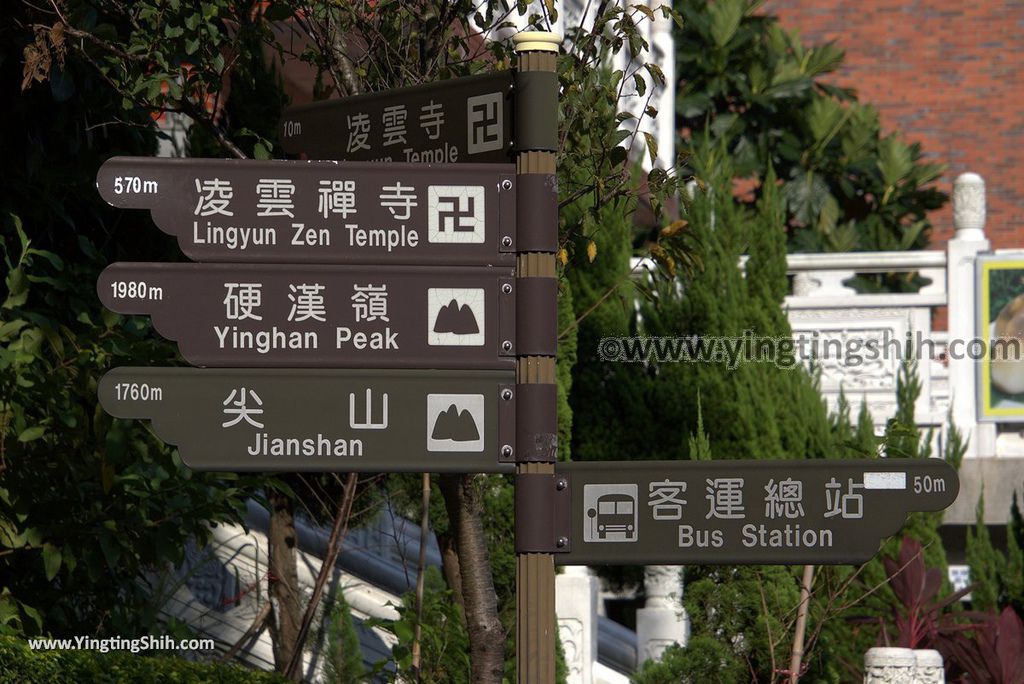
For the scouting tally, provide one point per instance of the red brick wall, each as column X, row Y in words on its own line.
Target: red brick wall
column 949, row 74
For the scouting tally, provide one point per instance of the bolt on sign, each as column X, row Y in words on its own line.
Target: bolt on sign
column 323, row 316
column 323, row 420
column 458, row 120
column 736, row 511
column 323, row 212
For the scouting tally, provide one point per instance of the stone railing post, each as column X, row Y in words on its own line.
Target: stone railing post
column 929, row 668
column 576, row 592
column 663, row 621
column 903, row 666
column 889, row 666
column 962, row 249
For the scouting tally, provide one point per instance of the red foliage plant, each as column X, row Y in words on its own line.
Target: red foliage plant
column 921, row 619
column 978, row 647
column 993, row 654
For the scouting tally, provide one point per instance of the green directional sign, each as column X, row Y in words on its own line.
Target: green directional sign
column 323, row 212
column 270, row 315
column 763, row 512
column 455, row 121
column 323, row 420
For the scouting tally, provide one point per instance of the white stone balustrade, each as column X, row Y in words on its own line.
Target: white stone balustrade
column 884, row 665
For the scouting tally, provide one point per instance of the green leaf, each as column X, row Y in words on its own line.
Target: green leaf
column 17, row 289
column 894, row 160
column 725, row 19
column 9, row 535
column 55, row 260
column 640, row 83
column 805, row 195
column 11, row 328
column 260, row 151
column 822, row 117
column 32, row 433
column 652, row 146
column 656, row 73
column 51, row 560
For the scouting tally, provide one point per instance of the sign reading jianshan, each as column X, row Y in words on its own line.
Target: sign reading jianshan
column 459, row 120
column 322, row 420
column 710, row 512
column 322, row 212
column 323, row 316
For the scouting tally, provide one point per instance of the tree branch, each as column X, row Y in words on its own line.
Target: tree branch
column 326, row 569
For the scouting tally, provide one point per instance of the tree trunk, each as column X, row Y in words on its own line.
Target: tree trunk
column 486, row 634
column 284, row 582
column 450, row 567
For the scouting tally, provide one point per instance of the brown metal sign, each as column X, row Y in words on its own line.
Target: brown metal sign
column 323, row 420
column 758, row 512
column 323, row 316
column 455, row 121
column 323, row 212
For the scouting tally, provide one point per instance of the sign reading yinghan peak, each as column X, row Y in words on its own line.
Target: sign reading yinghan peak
column 745, row 511
column 323, row 420
column 240, row 315
column 458, row 120
column 322, row 212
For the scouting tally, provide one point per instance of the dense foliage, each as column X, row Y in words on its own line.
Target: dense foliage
column 86, row 502
column 747, row 81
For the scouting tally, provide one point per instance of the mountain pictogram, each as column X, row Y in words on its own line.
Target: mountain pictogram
column 455, row 425
column 453, row 318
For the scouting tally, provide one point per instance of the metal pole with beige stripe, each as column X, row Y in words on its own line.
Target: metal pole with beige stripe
column 535, row 137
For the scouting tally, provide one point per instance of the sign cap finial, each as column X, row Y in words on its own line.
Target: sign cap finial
column 537, row 41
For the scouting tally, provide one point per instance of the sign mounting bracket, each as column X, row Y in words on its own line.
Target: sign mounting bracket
column 543, row 517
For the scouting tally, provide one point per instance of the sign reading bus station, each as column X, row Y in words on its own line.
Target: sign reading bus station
column 458, row 120
column 323, row 316
column 323, row 420
column 322, row 212
column 745, row 511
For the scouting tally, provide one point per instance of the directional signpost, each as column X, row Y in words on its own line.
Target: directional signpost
column 736, row 511
column 323, row 316
column 401, row 316
column 323, row 420
column 323, row 212
column 460, row 120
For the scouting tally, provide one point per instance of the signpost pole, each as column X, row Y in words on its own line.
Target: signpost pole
column 535, row 138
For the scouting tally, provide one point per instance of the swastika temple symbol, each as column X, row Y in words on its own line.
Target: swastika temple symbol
column 456, row 213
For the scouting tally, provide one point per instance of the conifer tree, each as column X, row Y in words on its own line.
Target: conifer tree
column 752, row 409
column 986, row 563
column 998, row 577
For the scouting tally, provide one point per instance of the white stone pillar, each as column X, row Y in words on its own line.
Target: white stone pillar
column 576, row 592
column 663, row 621
column 889, row 666
column 929, row 668
column 969, row 240
column 903, row 666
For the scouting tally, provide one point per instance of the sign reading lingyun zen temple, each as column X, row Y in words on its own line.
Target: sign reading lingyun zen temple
column 459, row 120
column 324, row 211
